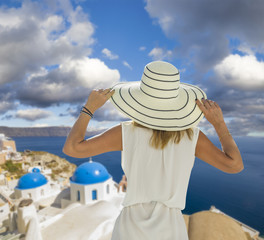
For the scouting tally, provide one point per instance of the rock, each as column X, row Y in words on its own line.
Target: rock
column 60, row 167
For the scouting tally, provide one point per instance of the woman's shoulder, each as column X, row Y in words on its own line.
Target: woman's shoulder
column 130, row 126
column 126, row 124
column 196, row 129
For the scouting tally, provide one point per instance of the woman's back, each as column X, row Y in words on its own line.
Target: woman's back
column 157, row 179
column 156, row 174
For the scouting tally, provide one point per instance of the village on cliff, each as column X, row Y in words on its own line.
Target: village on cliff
column 44, row 197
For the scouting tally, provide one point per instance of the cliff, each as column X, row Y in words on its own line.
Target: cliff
column 60, row 167
column 40, row 131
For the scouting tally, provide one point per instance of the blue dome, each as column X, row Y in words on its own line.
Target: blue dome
column 89, row 173
column 36, row 170
column 31, row 180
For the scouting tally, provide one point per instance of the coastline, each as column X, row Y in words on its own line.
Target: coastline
column 241, row 199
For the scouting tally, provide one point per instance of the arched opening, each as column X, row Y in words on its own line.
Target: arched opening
column 78, row 195
column 94, row 194
column 107, row 188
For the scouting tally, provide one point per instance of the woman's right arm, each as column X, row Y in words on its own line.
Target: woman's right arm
column 228, row 159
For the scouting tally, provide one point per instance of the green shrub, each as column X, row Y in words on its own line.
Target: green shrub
column 12, row 167
column 53, row 176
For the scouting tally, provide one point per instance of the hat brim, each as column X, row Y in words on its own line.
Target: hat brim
column 169, row 114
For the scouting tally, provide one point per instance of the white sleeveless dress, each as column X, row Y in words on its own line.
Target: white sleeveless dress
column 157, row 182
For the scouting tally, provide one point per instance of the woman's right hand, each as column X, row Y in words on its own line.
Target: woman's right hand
column 211, row 111
column 97, row 98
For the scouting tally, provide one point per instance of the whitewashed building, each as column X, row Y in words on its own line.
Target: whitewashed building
column 90, row 182
column 32, row 185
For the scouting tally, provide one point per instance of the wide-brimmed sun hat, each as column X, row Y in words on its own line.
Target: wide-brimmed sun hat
column 159, row 101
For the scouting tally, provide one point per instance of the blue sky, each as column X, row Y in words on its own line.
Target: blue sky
column 54, row 52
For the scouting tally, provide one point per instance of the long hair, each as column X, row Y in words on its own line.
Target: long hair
column 160, row 138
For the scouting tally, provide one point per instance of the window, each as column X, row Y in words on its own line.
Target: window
column 107, row 188
column 78, row 195
column 42, row 192
column 94, row 194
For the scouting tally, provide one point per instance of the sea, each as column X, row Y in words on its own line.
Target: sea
column 240, row 195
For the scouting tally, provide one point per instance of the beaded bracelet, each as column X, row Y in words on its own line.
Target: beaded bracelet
column 228, row 133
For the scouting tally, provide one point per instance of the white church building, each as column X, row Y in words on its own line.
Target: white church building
column 32, row 185
column 90, row 182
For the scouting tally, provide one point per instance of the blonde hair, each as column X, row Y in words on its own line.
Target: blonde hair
column 160, row 138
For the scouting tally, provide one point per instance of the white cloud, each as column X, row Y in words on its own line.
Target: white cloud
column 245, row 48
column 81, row 29
column 34, row 40
column 5, row 106
column 90, row 72
column 242, row 72
column 53, row 23
column 5, row 100
column 142, row 48
column 33, row 114
column 41, row 125
column 202, row 30
column 81, row 33
column 107, row 53
column 8, row 18
column 160, row 54
column 31, row 38
column 125, row 63
column 71, row 82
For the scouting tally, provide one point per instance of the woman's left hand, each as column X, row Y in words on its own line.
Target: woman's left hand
column 97, row 98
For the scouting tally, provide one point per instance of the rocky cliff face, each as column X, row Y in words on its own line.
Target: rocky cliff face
column 60, row 166
column 40, row 131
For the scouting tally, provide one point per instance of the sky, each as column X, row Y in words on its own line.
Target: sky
column 53, row 53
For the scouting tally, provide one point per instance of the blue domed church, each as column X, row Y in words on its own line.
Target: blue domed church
column 90, row 182
column 32, row 185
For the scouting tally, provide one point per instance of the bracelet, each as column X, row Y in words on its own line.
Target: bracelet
column 82, row 111
column 227, row 134
column 87, row 110
column 88, row 113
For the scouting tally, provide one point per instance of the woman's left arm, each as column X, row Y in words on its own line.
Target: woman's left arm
column 110, row 140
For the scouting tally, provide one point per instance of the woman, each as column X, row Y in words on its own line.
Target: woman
column 158, row 148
